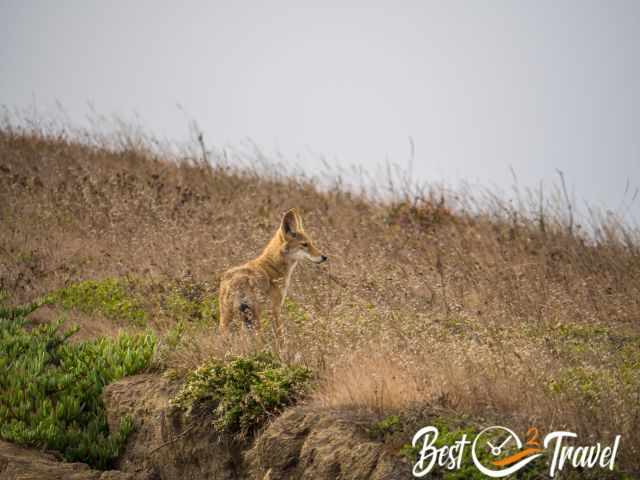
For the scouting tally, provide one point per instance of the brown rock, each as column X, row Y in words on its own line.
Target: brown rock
column 19, row 463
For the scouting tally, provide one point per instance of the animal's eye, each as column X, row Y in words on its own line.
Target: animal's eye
column 305, row 244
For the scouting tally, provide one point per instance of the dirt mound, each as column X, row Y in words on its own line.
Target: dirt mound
column 321, row 445
column 299, row 444
column 27, row 464
column 166, row 445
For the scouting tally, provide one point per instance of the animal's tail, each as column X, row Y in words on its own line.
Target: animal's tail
column 248, row 315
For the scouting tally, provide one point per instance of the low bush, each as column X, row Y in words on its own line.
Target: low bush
column 189, row 301
column 244, row 391
column 109, row 296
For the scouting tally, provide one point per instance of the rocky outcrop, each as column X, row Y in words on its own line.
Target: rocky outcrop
column 303, row 444
column 166, row 445
column 299, row 444
column 17, row 463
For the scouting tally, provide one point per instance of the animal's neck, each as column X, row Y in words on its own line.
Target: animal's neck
column 273, row 262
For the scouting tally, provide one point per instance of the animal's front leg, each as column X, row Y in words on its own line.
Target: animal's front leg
column 276, row 303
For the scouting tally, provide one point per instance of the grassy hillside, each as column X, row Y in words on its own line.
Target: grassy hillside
column 488, row 309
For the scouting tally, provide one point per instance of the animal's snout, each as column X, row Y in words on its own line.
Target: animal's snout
column 323, row 258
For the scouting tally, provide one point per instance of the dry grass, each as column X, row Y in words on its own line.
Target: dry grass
column 371, row 382
column 488, row 307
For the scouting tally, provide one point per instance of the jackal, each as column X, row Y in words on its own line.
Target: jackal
column 244, row 290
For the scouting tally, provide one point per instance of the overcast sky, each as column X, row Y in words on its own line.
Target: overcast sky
column 480, row 86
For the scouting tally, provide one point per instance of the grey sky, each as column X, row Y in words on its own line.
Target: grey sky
column 479, row 85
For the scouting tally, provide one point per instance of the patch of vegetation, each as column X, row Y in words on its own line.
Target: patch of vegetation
column 295, row 311
column 188, row 301
column 582, row 332
column 455, row 325
column 629, row 369
column 386, row 426
column 110, row 296
column 174, row 335
column 581, row 383
column 50, row 389
column 135, row 300
column 244, row 391
column 26, row 257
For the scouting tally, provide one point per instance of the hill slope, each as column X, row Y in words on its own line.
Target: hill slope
column 495, row 314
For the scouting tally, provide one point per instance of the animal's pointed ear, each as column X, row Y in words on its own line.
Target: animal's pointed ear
column 299, row 227
column 289, row 224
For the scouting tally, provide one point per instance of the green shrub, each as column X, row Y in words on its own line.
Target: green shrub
column 135, row 299
column 190, row 303
column 50, row 389
column 384, row 427
column 244, row 391
column 583, row 384
column 109, row 297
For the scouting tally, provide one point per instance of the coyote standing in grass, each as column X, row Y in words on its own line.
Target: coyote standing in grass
column 244, row 290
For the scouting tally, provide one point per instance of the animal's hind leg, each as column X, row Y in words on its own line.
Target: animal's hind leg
column 225, row 308
column 226, row 313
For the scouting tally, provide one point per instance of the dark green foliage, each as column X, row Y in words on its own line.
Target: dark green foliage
column 244, row 391
column 50, row 389
column 384, row 427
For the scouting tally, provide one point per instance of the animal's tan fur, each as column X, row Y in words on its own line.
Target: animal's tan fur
column 245, row 290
